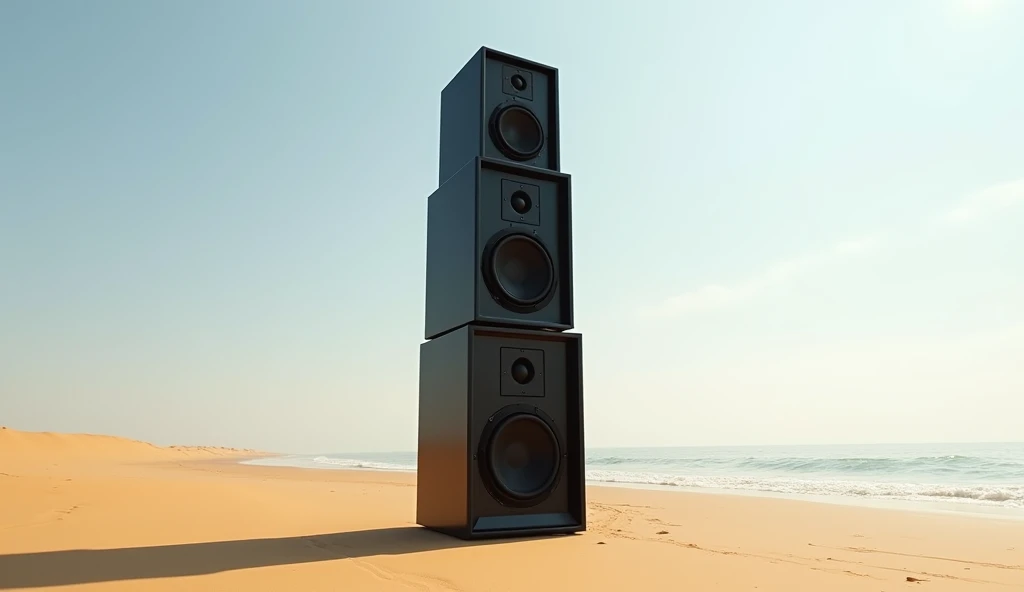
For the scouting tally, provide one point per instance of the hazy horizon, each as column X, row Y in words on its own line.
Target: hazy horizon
column 693, row 447
column 794, row 223
column 589, row 448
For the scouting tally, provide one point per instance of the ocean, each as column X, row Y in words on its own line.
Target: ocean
column 974, row 478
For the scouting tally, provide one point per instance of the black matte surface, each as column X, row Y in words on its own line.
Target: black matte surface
column 461, row 384
column 482, row 86
column 464, row 215
column 442, row 464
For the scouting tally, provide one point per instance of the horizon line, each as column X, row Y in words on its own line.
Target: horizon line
column 634, row 447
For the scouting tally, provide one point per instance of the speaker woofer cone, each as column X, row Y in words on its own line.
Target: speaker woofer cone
column 523, row 457
column 517, row 132
column 519, row 270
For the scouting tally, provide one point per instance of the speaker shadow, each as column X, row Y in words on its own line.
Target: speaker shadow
column 87, row 566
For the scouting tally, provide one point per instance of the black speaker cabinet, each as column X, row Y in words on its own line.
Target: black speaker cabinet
column 499, row 249
column 501, row 433
column 500, row 106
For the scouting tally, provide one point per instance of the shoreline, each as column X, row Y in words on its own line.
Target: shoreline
column 937, row 507
column 102, row 513
column 408, row 477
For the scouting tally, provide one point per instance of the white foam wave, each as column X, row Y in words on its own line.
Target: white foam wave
column 325, row 462
column 348, row 463
column 1005, row 496
column 999, row 495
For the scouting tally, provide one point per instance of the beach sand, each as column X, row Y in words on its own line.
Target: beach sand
column 103, row 513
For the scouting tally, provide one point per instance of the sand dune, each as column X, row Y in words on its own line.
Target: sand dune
column 101, row 513
column 22, row 446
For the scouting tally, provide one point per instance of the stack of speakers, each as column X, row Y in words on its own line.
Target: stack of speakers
column 500, row 449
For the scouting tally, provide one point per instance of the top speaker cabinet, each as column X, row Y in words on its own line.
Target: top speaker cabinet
column 500, row 106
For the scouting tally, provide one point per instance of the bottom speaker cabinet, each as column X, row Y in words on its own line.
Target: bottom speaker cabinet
column 501, row 433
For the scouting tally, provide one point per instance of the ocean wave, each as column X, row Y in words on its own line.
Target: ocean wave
column 348, row 463
column 996, row 479
column 1011, row 496
column 940, row 465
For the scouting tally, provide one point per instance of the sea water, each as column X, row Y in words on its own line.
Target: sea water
column 984, row 478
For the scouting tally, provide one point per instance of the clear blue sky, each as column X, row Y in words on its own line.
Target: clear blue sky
column 795, row 222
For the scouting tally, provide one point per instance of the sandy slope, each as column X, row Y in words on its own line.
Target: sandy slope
column 31, row 447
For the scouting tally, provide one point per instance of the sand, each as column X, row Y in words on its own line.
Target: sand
column 86, row 512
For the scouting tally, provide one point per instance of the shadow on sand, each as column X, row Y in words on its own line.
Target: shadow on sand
column 86, row 566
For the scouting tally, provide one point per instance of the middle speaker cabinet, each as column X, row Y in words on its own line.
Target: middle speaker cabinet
column 499, row 249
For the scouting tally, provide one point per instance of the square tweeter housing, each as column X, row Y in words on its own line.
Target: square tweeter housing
column 522, row 372
column 520, row 202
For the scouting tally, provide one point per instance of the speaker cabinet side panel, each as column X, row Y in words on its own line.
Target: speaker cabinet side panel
column 451, row 253
column 565, row 246
column 555, row 124
column 442, row 459
column 575, row 436
column 462, row 118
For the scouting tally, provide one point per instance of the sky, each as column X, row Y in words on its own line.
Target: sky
column 794, row 222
